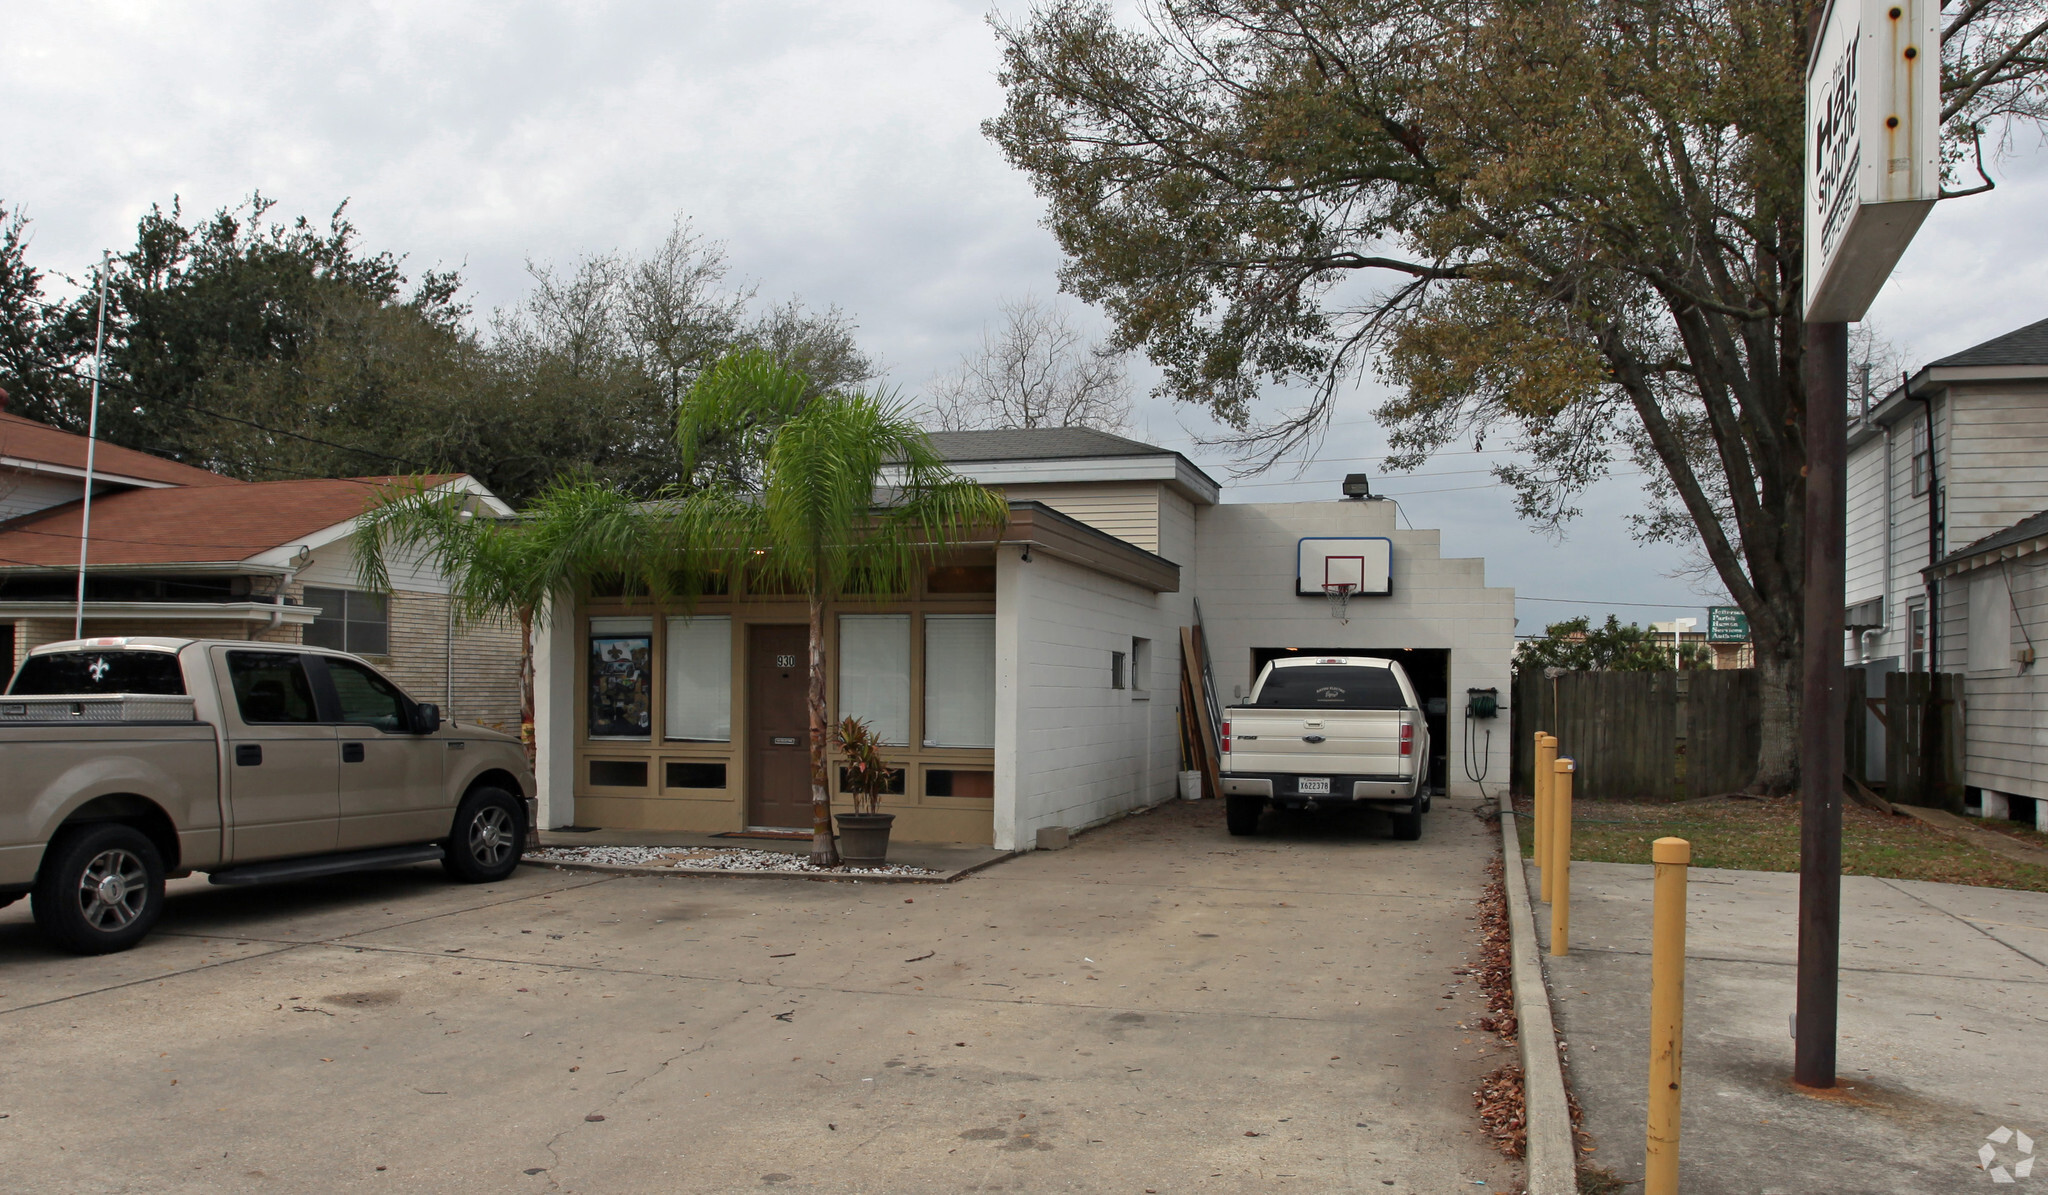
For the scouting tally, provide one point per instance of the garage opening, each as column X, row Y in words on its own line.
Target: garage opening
column 1428, row 669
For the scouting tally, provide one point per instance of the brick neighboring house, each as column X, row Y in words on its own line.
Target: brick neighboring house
column 177, row 550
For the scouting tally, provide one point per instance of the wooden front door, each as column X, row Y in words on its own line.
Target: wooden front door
column 778, row 727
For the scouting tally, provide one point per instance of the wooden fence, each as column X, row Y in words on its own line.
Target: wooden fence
column 1643, row 735
column 1665, row 735
column 1923, row 739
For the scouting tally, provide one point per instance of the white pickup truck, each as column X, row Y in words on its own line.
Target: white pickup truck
column 127, row 761
column 1327, row 732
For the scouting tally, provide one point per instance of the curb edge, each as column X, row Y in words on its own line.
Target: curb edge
column 1551, row 1159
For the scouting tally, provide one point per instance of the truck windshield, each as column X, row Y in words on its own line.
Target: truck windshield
column 66, row 673
column 1330, row 689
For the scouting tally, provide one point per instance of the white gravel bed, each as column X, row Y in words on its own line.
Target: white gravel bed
column 712, row 858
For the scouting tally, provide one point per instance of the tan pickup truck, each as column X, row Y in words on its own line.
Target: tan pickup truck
column 1327, row 732
column 124, row 762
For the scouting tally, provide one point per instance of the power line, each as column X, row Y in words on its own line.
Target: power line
column 134, row 393
column 1604, row 602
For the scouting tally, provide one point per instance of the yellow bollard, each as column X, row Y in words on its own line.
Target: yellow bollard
column 1546, row 769
column 1560, row 857
column 1667, row 1013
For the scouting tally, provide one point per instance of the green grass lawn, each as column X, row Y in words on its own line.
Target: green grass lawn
column 1764, row 836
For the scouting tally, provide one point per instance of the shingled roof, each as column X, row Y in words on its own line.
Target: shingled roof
column 27, row 440
column 2017, row 539
column 214, row 524
column 2026, row 346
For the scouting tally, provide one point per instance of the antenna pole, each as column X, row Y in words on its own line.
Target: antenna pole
column 92, row 432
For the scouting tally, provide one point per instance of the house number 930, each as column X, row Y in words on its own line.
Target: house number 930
column 785, row 661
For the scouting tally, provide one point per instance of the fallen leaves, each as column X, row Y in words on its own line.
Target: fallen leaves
column 1503, row 1112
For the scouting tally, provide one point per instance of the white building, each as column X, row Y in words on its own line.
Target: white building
column 1033, row 681
column 1945, row 475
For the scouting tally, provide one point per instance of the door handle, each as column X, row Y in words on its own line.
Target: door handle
column 351, row 753
column 248, row 755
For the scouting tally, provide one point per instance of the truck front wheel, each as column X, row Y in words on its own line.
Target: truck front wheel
column 488, row 837
column 1241, row 814
column 101, row 888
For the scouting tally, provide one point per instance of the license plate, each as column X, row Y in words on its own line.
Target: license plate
column 1312, row 784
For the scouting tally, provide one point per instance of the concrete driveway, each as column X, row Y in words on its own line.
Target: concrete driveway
column 1159, row 1008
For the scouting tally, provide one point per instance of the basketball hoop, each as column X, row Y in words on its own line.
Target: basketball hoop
column 1339, row 593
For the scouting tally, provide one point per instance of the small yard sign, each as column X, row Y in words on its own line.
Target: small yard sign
column 1727, row 624
column 1873, row 140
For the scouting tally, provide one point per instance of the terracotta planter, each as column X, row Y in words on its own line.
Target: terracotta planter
column 864, row 838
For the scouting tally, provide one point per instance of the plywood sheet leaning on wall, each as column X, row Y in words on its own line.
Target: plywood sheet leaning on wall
column 1196, row 727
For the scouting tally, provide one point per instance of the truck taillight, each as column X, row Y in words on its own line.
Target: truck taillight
column 1407, row 738
column 1226, row 735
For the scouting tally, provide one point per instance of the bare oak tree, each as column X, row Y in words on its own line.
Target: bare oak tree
column 1570, row 228
column 1037, row 370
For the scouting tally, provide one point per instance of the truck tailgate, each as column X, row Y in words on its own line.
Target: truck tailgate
column 52, row 768
column 1353, row 742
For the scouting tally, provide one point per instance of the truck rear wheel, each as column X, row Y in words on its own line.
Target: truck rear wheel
column 1241, row 814
column 101, row 888
column 488, row 837
column 1408, row 826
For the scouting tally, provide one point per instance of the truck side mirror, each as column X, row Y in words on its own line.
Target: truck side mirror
column 426, row 718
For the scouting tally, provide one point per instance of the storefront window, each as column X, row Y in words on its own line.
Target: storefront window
column 960, row 680
column 698, row 699
column 874, row 673
column 620, row 694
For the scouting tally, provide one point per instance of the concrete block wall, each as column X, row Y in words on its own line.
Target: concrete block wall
column 1246, row 563
column 1071, row 750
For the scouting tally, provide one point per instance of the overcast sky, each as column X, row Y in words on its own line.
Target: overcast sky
column 835, row 148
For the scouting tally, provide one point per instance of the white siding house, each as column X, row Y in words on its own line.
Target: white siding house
column 1945, row 475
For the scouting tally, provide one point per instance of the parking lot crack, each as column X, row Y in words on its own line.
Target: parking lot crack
column 115, row 987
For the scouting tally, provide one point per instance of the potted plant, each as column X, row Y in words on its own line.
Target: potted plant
column 864, row 833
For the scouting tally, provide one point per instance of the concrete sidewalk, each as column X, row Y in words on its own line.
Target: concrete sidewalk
column 1944, row 1000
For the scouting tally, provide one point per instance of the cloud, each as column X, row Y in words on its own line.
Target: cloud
column 835, row 147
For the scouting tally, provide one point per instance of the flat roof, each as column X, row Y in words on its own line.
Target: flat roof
column 1026, row 455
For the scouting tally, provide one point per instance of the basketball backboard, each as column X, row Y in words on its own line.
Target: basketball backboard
column 1364, row 561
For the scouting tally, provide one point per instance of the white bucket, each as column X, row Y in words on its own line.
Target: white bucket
column 1190, row 786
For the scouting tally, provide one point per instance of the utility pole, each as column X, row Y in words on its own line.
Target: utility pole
column 1873, row 172
column 1820, row 715
column 92, row 437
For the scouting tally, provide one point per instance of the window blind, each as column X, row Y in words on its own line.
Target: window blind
column 700, row 679
column 960, row 680
column 874, row 673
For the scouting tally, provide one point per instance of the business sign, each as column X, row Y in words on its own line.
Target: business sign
column 1727, row 624
column 1873, row 148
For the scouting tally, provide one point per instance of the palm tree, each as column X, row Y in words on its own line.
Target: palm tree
column 502, row 568
column 828, row 494
column 833, row 494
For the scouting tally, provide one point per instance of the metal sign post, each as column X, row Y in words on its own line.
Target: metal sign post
column 1873, row 171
